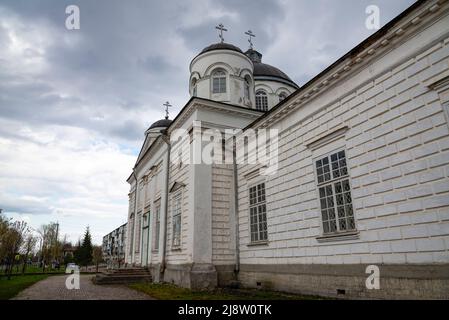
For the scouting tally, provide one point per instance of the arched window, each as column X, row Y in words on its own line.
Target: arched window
column 219, row 81
column 261, row 100
column 282, row 96
column 247, row 87
column 194, row 93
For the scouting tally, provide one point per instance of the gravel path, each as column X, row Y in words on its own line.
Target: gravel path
column 53, row 288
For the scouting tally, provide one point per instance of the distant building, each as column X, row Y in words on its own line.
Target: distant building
column 114, row 245
column 68, row 250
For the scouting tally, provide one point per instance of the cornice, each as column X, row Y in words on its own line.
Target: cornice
column 351, row 64
column 226, row 109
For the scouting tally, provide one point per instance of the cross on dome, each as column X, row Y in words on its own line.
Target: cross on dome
column 167, row 105
column 251, row 35
column 221, row 28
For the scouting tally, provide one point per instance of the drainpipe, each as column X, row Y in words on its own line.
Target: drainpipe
column 166, row 139
column 236, row 212
column 134, row 217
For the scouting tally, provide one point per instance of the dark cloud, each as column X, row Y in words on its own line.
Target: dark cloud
column 74, row 103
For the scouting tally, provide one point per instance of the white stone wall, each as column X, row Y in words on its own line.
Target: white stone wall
column 235, row 64
column 273, row 89
column 150, row 185
column 223, row 243
column 179, row 174
column 397, row 147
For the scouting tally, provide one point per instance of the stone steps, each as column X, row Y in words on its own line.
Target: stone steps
column 123, row 276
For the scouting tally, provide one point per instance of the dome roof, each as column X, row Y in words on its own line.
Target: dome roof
column 221, row 46
column 266, row 71
column 163, row 123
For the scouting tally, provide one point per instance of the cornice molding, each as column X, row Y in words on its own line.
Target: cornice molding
column 227, row 109
column 351, row 65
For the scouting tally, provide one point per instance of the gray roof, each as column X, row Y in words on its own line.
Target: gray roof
column 161, row 123
column 263, row 71
column 221, row 46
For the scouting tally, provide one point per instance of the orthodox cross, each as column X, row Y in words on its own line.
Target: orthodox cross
column 251, row 35
column 167, row 105
column 221, row 28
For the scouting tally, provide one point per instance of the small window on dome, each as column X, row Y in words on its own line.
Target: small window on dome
column 261, row 100
column 282, row 96
column 194, row 92
column 219, row 81
column 247, row 87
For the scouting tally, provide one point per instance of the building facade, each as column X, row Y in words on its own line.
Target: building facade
column 361, row 178
column 114, row 245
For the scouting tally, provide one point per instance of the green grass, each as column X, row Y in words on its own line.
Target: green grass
column 10, row 288
column 33, row 270
column 172, row 292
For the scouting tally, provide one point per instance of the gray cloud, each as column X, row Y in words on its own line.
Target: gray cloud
column 74, row 104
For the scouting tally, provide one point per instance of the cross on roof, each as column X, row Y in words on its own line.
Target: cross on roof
column 221, row 28
column 251, row 35
column 167, row 105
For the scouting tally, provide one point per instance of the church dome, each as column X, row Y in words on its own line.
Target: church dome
column 263, row 71
column 163, row 123
column 221, row 46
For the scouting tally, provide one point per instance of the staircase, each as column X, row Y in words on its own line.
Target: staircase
column 123, row 276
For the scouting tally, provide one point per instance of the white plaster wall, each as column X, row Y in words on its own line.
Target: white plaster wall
column 398, row 155
column 273, row 89
column 147, row 194
column 236, row 65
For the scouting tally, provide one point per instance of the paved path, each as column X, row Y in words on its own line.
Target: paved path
column 53, row 288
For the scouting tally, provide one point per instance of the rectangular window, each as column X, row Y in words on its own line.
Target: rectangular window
column 258, row 213
column 219, row 84
column 157, row 226
column 262, row 102
column 335, row 193
column 176, row 214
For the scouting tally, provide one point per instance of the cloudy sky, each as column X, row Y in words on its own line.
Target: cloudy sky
column 74, row 104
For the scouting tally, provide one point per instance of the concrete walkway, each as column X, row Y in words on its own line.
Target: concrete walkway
column 54, row 288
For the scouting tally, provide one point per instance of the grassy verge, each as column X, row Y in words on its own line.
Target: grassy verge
column 171, row 292
column 34, row 270
column 10, row 288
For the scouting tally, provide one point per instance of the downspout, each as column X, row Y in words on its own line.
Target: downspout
column 134, row 217
column 236, row 213
column 165, row 138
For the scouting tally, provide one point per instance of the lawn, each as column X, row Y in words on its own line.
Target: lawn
column 172, row 292
column 10, row 288
column 33, row 269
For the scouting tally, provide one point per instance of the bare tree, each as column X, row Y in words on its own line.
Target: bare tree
column 50, row 245
column 97, row 256
column 27, row 248
column 4, row 227
column 13, row 240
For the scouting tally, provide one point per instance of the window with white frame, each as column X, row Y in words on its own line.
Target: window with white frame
column 261, row 100
column 258, row 213
column 157, row 225
column 334, row 190
column 176, row 218
column 219, row 81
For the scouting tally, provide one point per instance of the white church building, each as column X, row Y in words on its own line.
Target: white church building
column 361, row 178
